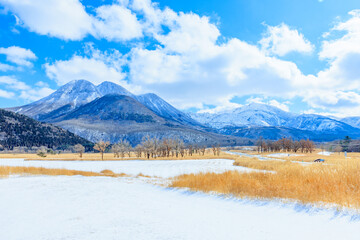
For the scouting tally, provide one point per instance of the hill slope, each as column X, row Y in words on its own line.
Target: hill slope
column 19, row 130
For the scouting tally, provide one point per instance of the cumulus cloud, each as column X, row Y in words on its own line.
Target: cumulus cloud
column 18, row 55
column 66, row 19
column 23, row 90
column 336, row 87
column 116, row 23
column 281, row 40
column 69, row 20
column 272, row 102
column 187, row 64
column 343, row 55
column 6, row 67
column 80, row 67
column 6, row 94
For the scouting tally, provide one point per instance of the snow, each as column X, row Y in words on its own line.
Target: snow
column 325, row 153
column 90, row 208
column 283, row 155
column 159, row 168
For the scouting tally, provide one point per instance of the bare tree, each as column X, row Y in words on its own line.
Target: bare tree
column 41, row 151
column 115, row 148
column 338, row 148
column 80, row 149
column 101, row 147
column 296, row 146
column 190, row 149
column 202, row 150
column 139, row 149
column 147, row 145
column 218, row 149
column 310, row 146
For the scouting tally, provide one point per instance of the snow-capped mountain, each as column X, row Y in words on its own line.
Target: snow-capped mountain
column 110, row 112
column 254, row 114
column 352, row 121
column 261, row 119
column 76, row 106
column 74, row 94
column 164, row 109
column 106, row 88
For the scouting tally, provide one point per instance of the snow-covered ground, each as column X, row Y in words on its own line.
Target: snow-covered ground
column 283, row 155
column 325, row 153
column 67, row 208
column 159, row 168
column 86, row 208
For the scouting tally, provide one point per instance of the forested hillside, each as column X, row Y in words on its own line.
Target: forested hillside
column 19, row 130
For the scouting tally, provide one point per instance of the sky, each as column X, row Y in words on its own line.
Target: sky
column 200, row 56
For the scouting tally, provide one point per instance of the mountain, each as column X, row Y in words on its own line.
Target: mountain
column 115, row 117
column 110, row 112
column 165, row 110
column 79, row 92
column 19, row 130
column 253, row 114
column 256, row 120
column 352, row 121
column 320, row 123
column 106, row 88
column 74, row 94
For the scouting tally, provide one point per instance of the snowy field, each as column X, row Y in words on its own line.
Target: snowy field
column 159, row 168
column 325, row 153
column 77, row 207
column 39, row 208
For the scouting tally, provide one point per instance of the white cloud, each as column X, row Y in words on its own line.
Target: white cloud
column 282, row 105
column 280, row 40
column 69, row 20
column 6, row 94
column 18, row 55
column 117, row 23
column 65, row 19
column 189, row 33
column 79, row 67
column 13, row 83
column 187, row 64
column 36, row 93
column 6, row 67
column 23, row 90
column 343, row 55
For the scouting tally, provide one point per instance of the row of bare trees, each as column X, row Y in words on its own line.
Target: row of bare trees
column 286, row 145
column 170, row 147
column 149, row 148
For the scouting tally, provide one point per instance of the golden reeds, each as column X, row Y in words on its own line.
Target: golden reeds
column 6, row 171
column 317, row 183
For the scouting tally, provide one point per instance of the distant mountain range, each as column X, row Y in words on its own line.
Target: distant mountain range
column 256, row 120
column 17, row 130
column 110, row 112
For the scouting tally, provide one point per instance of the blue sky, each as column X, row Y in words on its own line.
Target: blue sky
column 301, row 56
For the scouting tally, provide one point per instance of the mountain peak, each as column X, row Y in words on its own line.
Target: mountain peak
column 107, row 87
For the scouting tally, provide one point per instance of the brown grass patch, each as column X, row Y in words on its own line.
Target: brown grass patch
column 337, row 184
column 6, row 171
column 108, row 157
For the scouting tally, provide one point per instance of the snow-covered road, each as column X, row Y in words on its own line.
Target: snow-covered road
column 42, row 207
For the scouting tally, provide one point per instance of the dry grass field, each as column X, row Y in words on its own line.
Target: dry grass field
column 110, row 157
column 6, row 171
column 335, row 182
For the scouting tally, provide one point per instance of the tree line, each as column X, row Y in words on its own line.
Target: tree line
column 286, row 145
column 152, row 148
